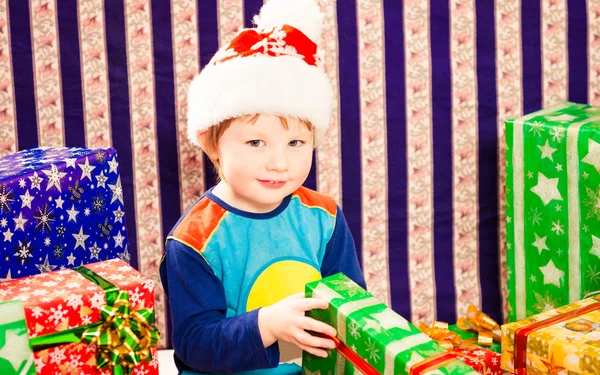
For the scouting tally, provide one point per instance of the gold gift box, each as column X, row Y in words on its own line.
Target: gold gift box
column 565, row 340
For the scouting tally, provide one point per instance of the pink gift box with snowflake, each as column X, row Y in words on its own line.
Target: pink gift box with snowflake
column 77, row 317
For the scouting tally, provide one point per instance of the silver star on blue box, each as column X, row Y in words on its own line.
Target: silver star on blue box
column 60, row 207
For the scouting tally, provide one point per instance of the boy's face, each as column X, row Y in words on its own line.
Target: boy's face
column 263, row 162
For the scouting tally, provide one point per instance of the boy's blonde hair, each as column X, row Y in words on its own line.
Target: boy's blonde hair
column 214, row 133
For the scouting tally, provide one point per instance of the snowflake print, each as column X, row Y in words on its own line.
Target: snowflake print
column 118, row 277
column 58, row 356
column 57, row 314
column 61, row 230
column 149, row 285
column 347, row 286
column 154, row 361
column 39, row 292
column 557, row 133
column 536, row 128
column 354, row 330
column 39, row 365
column 98, row 300
column 31, row 281
column 544, row 303
column 23, row 251
column 134, row 297
column 72, row 285
column 6, row 198
column 44, row 218
column 75, row 361
column 592, row 274
column 592, row 203
column 74, row 301
column 37, row 312
column 86, row 320
column 98, row 204
column 58, row 250
column 535, row 216
column 557, row 228
column 372, row 351
column 100, row 157
column 50, row 284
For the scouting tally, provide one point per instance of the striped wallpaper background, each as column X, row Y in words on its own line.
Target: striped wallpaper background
column 415, row 153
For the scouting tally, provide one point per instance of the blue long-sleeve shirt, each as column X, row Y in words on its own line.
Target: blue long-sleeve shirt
column 222, row 264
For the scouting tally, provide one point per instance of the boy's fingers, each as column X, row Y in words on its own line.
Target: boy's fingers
column 316, row 342
column 297, row 296
column 314, row 351
column 314, row 303
column 317, row 326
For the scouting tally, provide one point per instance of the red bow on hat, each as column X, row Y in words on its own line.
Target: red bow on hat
column 283, row 40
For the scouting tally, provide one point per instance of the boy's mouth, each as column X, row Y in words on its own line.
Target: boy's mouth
column 272, row 183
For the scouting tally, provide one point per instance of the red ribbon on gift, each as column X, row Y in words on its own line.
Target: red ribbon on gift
column 365, row 367
column 352, row 357
column 432, row 363
column 522, row 333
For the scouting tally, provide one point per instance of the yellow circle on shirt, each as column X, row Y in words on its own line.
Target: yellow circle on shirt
column 280, row 280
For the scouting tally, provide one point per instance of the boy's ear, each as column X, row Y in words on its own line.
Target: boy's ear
column 201, row 137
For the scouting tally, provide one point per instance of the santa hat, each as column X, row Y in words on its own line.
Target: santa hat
column 275, row 69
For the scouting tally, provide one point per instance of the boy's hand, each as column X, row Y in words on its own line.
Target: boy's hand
column 286, row 321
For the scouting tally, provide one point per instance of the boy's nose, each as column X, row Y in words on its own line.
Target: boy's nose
column 278, row 162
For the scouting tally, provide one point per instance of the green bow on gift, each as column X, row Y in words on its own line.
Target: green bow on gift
column 123, row 337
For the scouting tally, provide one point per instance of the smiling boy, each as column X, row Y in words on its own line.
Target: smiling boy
column 237, row 261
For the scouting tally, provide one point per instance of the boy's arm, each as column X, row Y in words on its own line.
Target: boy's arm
column 340, row 253
column 203, row 337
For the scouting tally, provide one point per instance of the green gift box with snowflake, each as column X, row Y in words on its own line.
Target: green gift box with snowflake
column 16, row 355
column 552, row 207
column 368, row 329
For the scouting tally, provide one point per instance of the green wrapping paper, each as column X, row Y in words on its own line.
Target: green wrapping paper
column 16, row 355
column 383, row 338
column 552, row 208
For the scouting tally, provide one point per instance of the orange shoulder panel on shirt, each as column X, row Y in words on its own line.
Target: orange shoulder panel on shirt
column 199, row 223
column 312, row 198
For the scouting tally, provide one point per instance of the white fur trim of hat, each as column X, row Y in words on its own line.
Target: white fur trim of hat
column 274, row 69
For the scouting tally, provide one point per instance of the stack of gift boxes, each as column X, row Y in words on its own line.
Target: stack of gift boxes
column 69, row 301
column 61, row 210
column 553, row 256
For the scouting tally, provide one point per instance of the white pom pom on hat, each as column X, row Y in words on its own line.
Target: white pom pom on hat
column 304, row 15
column 275, row 68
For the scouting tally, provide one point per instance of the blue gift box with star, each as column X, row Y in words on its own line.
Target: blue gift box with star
column 59, row 208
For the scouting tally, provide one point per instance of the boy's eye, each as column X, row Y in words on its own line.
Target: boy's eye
column 255, row 143
column 296, row 143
